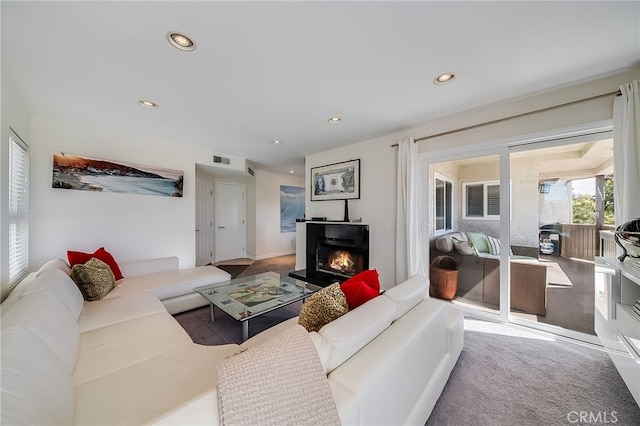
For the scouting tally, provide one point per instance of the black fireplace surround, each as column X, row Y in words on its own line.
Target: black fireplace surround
column 334, row 252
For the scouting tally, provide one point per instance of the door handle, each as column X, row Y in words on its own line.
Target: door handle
column 221, row 227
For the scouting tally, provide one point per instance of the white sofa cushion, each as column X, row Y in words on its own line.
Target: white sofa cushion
column 51, row 321
column 36, row 386
column 399, row 365
column 107, row 349
column 149, row 266
column 168, row 284
column 58, row 263
column 154, row 389
column 52, row 281
column 408, row 294
column 349, row 333
column 114, row 310
column 200, row 410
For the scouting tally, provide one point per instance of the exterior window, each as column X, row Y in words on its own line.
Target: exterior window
column 481, row 200
column 18, row 209
column 443, row 203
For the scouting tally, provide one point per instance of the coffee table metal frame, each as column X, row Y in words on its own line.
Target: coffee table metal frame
column 249, row 297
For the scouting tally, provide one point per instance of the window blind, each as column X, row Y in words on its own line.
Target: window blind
column 493, row 200
column 475, row 200
column 449, row 205
column 18, row 209
column 440, row 208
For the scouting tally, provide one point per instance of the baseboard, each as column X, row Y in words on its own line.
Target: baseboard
column 282, row 253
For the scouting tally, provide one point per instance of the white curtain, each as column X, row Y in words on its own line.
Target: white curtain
column 626, row 153
column 408, row 258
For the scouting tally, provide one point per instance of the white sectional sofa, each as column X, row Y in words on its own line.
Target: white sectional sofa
column 125, row 360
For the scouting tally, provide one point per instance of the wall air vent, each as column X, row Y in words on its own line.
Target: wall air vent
column 221, row 160
column 251, row 172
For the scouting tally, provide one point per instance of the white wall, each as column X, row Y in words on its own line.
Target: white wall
column 268, row 239
column 130, row 226
column 378, row 180
column 377, row 203
column 16, row 116
column 136, row 226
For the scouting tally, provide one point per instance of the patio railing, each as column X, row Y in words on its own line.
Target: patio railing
column 581, row 241
column 608, row 247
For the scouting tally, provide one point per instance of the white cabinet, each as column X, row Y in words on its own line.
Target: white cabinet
column 616, row 324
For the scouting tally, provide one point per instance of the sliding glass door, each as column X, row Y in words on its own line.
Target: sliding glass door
column 523, row 225
column 563, row 216
column 465, row 227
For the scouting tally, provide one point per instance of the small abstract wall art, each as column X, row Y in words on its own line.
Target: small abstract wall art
column 291, row 207
column 91, row 174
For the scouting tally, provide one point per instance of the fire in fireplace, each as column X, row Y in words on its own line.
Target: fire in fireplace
column 342, row 261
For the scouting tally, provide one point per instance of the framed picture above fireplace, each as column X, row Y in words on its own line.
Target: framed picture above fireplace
column 338, row 181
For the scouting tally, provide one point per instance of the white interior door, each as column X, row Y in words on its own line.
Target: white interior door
column 230, row 221
column 204, row 222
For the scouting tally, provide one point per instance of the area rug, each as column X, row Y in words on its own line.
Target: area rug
column 197, row 323
column 234, row 270
column 507, row 376
column 556, row 276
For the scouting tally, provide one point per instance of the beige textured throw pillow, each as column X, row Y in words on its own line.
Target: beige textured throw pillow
column 463, row 247
column 94, row 279
column 323, row 307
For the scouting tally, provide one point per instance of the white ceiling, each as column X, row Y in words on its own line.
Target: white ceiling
column 279, row 70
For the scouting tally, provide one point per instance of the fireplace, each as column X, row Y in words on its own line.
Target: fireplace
column 338, row 259
column 335, row 251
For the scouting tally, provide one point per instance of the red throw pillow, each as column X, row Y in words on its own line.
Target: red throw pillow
column 370, row 278
column 78, row 257
column 357, row 293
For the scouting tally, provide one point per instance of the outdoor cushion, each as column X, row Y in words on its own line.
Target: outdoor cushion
column 463, row 247
column 479, row 241
column 494, row 245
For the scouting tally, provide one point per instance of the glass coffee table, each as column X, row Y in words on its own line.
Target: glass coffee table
column 248, row 297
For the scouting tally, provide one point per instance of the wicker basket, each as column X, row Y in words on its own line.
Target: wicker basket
column 443, row 277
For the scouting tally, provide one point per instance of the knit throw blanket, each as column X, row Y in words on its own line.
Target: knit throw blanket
column 279, row 382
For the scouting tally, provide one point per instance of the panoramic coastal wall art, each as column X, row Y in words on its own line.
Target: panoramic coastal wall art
column 91, row 174
column 291, row 207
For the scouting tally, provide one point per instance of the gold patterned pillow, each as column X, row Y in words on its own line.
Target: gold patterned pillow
column 94, row 279
column 323, row 307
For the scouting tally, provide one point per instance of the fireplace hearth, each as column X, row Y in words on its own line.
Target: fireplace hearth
column 334, row 252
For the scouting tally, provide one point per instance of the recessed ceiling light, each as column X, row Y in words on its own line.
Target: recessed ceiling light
column 444, row 78
column 181, row 41
column 291, row 171
column 276, row 142
column 334, row 120
column 147, row 104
